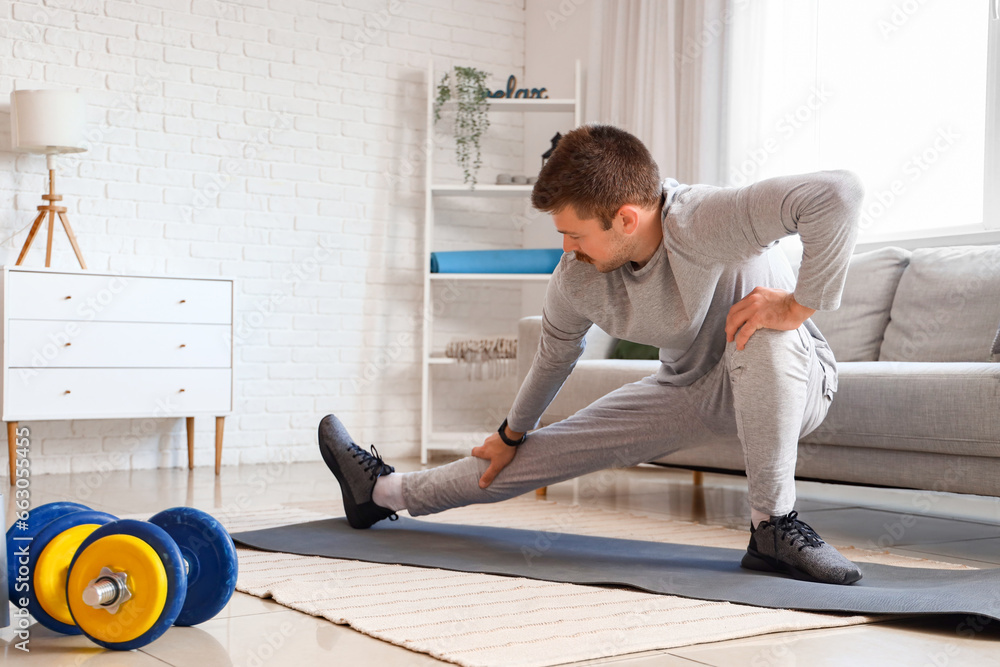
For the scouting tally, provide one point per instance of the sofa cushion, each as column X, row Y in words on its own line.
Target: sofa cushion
column 946, row 307
column 855, row 330
column 945, row 408
column 626, row 349
column 600, row 345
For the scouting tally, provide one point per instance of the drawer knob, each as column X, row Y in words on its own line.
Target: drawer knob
column 183, row 344
column 68, row 391
column 68, row 344
column 182, row 390
column 68, row 298
column 183, row 300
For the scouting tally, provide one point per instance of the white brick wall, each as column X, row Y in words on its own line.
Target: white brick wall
column 277, row 142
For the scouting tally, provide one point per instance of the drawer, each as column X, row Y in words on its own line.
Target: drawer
column 72, row 344
column 99, row 393
column 76, row 296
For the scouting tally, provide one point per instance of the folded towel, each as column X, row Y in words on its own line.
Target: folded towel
column 488, row 358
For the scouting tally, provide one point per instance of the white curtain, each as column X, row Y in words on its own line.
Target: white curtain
column 658, row 71
column 852, row 84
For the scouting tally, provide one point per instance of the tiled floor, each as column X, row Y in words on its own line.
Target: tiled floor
column 256, row 632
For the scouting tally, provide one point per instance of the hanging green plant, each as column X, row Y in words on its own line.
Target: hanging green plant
column 471, row 118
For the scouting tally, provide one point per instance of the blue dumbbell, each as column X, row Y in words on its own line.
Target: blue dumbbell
column 122, row 583
column 131, row 580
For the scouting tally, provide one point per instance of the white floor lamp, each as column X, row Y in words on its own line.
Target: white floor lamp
column 49, row 122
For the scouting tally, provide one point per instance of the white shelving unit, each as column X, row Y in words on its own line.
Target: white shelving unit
column 449, row 440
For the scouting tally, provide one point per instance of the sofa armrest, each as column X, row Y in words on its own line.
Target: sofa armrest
column 529, row 331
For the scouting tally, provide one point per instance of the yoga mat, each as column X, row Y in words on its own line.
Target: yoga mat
column 496, row 261
column 705, row 573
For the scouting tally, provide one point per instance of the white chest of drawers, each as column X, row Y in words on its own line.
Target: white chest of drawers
column 90, row 345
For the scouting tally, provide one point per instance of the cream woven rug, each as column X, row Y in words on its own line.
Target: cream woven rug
column 489, row 620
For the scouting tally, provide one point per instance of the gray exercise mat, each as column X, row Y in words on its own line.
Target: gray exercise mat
column 705, row 573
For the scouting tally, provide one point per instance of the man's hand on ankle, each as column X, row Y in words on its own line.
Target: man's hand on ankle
column 498, row 453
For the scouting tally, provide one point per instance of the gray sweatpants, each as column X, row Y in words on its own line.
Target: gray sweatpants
column 766, row 396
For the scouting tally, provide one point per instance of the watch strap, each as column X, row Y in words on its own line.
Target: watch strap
column 507, row 441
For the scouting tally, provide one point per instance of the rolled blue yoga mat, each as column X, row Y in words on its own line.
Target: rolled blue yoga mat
column 496, row 261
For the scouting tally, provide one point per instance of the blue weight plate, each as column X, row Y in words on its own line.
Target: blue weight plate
column 19, row 539
column 41, row 540
column 173, row 563
column 211, row 557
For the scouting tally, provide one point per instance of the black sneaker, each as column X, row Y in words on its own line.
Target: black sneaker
column 786, row 544
column 356, row 470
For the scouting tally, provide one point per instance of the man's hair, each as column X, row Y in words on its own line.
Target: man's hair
column 597, row 169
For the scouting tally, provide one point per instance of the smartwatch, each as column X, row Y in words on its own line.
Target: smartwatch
column 507, row 441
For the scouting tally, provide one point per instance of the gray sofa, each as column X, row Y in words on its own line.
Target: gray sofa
column 918, row 405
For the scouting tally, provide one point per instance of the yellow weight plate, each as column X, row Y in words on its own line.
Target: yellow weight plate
column 51, row 568
column 147, row 580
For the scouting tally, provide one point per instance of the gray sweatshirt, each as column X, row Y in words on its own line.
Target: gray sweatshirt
column 718, row 245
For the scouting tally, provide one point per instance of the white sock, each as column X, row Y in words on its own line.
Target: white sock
column 755, row 516
column 388, row 492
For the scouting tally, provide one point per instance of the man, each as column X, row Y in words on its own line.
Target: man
column 689, row 270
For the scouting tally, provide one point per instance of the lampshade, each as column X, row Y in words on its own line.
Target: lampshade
column 47, row 121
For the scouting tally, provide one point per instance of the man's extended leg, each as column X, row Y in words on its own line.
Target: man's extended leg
column 633, row 424
column 780, row 386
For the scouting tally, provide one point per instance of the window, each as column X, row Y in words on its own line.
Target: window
column 903, row 92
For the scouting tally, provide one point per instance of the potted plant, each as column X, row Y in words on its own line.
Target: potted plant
column 467, row 87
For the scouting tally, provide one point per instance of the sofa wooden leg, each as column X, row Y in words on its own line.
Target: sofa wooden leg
column 220, row 426
column 698, row 478
column 190, row 437
column 541, row 493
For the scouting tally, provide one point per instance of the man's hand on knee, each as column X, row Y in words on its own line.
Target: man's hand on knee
column 764, row 308
column 498, row 453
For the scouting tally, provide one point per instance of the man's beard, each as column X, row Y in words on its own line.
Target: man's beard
column 619, row 258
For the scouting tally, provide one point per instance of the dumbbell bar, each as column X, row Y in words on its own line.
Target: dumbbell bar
column 122, row 583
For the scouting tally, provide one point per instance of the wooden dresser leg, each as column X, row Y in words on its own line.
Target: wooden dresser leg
column 12, row 449
column 220, row 423
column 542, row 492
column 190, row 434
column 698, row 478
